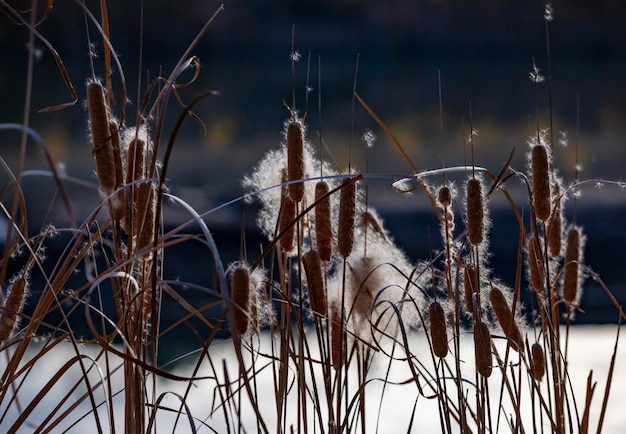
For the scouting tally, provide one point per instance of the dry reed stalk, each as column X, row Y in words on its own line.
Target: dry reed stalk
column 338, row 341
column 369, row 220
column 438, row 329
column 347, row 216
column 101, row 137
column 135, row 170
column 541, row 182
column 323, row 229
column 555, row 225
column 288, row 212
column 117, row 206
column 475, row 212
column 295, row 160
column 145, row 215
column 470, row 285
column 13, row 305
column 537, row 361
column 315, row 281
column 482, row 348
column 535, row 263
column 571, row 281
column 240, row 293
column 506, row 318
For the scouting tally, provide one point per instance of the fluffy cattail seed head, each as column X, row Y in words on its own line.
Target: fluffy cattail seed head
column 537, row 361
column 240, row 294
column 541, row 181
column 475, row 212
column 338, row 342
column 506, row 318
column 347, row 216
column 101, row 137
column 438, row 329
column 14, row 303
column 573, row 255
column 482, row 348
column 315, row 281
column 295, row 160
column 444, row 197
column 323, row 229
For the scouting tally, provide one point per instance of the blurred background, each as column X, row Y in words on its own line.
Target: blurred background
column 482, row 51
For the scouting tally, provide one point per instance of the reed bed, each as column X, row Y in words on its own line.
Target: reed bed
column 319, row 329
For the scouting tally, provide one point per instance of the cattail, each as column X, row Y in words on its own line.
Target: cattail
column 347, row 216
column 288, row 212
column 475, row 212
column 505, row 318
column 471, row 286
column 438, row 329
column 482, row 348
column 240, row 294
column 295, row 160
column 315, row 281
column 13, row 306
column 444, row 197
column 323, row 230
column 145, row 215
column 338, row 342
column 101, row 137
column 571, row 281
column 541, row 181
column 537, row 361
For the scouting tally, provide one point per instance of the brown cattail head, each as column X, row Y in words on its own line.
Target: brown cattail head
column 323, row 229
column 536, row 264
column 338, row 342
column 101, row 137
column 347, row 216
column 475, row 212
column 13, row 306
column 135, row 171
column 471, row 285
column 482, row 348
column 573, row 255
column 541, row 181
column 438, row 329
column 315, row 281
column 506, row 318
column 537, row 361
column 444, row 197
column 288, row 213
column 240, row 294
column 295, row 159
